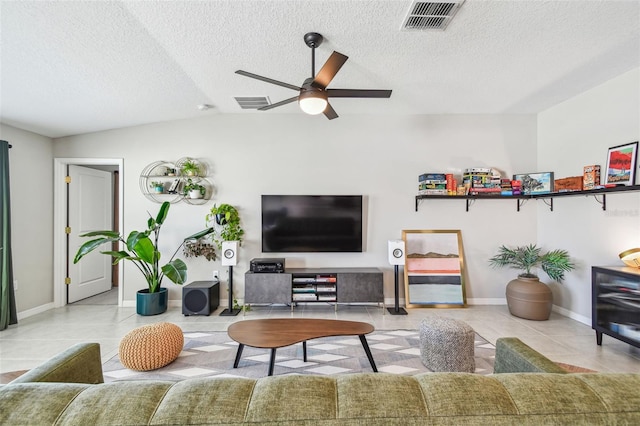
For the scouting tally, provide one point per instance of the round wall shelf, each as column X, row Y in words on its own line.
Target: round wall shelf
column 163, row 181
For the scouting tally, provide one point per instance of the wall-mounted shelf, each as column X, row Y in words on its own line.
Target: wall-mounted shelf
column 600, row 195
column 172, row 182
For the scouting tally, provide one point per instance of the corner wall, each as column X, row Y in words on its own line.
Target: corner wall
column 573, row 134
column 31, row 172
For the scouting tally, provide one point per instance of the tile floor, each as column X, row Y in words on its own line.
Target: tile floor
column 41, row 336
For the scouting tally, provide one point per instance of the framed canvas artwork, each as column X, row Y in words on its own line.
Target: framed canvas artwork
column 434, row 268
column 621, row 164
column 536, row 183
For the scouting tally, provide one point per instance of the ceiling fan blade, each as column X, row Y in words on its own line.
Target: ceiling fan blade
column 358, row 93
column 329, row 70
column 329, row 112
column 268, row 80
column 277, row 104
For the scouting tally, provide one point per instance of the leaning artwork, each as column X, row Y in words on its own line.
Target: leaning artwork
column 434, row 268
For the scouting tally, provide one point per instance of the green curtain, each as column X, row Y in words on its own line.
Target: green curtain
column 8, row 314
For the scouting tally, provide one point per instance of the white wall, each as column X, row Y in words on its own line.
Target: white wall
column 378, row 157
column 31, row 171
column 573, row 134
column 252, row 154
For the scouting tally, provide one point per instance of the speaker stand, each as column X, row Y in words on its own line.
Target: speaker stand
column 230, row 312
column 396, row 310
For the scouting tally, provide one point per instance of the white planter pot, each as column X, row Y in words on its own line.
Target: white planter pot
column 195, row 194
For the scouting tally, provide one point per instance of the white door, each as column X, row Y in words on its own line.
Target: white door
column 90, row 208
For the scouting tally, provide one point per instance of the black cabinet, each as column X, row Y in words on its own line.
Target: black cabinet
column 616, row 303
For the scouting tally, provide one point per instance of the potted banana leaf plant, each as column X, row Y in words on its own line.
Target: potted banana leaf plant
column 141, row 248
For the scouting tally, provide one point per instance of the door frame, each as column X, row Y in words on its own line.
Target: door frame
column 60, row 221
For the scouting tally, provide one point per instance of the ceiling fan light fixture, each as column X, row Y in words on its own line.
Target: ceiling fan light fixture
column 313, row 102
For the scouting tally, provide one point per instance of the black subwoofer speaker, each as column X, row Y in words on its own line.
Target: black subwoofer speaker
column 200, row 297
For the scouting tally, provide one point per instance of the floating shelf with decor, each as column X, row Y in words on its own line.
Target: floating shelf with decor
column 599, row 194
column 185, row 180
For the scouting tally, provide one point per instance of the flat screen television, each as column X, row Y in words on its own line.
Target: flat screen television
column 311, row 223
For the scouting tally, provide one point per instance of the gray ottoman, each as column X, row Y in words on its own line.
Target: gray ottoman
column 447, row 345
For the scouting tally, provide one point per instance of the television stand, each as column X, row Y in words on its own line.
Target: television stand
column 315, row 285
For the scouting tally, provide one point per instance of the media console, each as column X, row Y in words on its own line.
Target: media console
column 616, row 303
column 313, row 285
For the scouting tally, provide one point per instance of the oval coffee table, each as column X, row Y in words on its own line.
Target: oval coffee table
column 273, row 333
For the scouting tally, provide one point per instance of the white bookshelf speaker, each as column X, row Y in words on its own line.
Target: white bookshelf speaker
column 396, row 252
column 229, row 253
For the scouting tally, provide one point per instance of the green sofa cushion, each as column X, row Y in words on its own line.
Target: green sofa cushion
column 117, row 403
column 376, row 395
column 514, row 356
column 80, row 363
column 202, row 401
column 443, row 393
column 36, row 403
column 287, row 398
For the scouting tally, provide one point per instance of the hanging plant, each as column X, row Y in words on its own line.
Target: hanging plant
column 228, row 226
column 199, row 247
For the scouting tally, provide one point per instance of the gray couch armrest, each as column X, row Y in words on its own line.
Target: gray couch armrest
column 80, row 363
column 513, row 356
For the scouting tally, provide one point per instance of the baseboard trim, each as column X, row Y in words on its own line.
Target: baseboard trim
column 487, row 301
column 473, row 301
column 128, row 303
column 567, row 313
column 35, row 311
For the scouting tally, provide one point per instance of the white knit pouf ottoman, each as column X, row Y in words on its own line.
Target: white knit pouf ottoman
column 447, row 344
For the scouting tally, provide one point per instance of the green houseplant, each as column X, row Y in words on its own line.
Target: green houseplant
column 527, row 296
column 157, row 186
column 199, row 247
column 141, row 248
column 554, row 263
column 193, row 190
column 228, row 220
column 190, row 168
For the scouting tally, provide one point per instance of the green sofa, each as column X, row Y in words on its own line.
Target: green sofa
column 68, row 390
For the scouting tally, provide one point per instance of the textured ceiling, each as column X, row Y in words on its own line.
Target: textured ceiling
column 71, row 67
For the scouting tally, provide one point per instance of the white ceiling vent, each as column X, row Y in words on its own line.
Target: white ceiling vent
column 426, row 15
column 252, row 102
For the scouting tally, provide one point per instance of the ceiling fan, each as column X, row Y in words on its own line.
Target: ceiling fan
column 313, row 96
